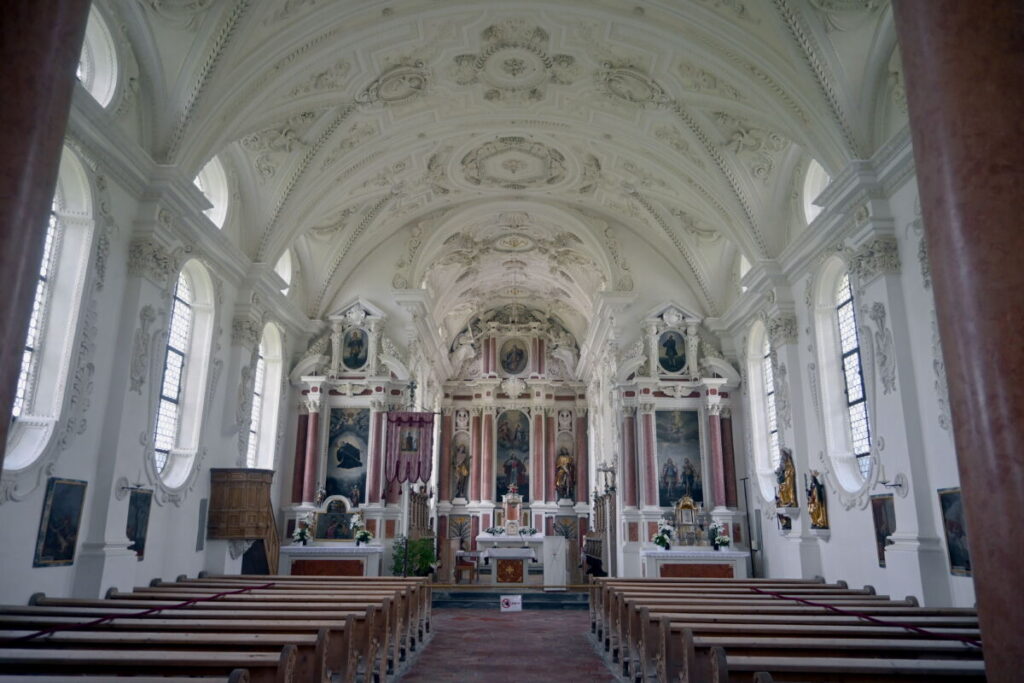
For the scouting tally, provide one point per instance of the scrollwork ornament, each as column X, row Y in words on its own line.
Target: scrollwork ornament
column 878, row 257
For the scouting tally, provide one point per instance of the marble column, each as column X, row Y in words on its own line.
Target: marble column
column 582, row 457
column 537, row 463
column 378, row 422
column 299, row 466
column 649, row 488
column 728, row 459
column 312, row 446
column 42, row 42
column 715, row 451
column 548, row 481
column 487, row 454
column 629, row 480
column 963, row 66
column 476, row 470
column 444, row 474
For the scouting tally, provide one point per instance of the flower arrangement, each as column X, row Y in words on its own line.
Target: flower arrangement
column 495, row 530
column 301, row 534
column 664, row 536
column 527, row 531
column 363, row 536
column 718, row 534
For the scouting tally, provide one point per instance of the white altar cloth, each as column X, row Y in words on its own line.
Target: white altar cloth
column 509, row 554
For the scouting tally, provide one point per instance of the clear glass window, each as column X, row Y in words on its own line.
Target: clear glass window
column 178, row 337
column 257, row 410
column 769, row 400
column 853, row 375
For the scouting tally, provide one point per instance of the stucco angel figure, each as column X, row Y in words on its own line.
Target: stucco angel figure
column 465, row 349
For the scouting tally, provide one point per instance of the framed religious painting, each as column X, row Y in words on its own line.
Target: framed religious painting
column 680, row 469
column 672, row 351
column 514, row 356
column 348, row 437
column 59, row 523
column 883, row 511
column 355, row 348
column 951, row 505
column 139, row 504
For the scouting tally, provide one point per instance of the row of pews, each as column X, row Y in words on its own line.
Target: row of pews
column 261, row 629
column 765, row 630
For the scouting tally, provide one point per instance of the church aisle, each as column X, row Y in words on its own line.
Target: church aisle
column 487, row 645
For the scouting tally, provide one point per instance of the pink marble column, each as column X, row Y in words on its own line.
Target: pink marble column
column 444, row 474
column 717, row 462
column 549, row 459
column 475, row 526
column 42, row 40
column 486, row 354
column 582, row 460
column 629, row 479
column 536, row 461
column 487, row 449
column 476, row 472
column 312, row 457
column 649, row 491
column 378, row 420
column 729, row 459
column 299, row 464
column 964, row 65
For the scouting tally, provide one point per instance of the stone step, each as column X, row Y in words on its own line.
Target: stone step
column 490, row 600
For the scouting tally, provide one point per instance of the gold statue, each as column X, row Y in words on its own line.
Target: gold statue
column 785, row 475
column 816, row 509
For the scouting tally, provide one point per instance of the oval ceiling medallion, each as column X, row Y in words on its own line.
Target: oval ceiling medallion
column 514, row 163
column 630, row 85
column 514, row 243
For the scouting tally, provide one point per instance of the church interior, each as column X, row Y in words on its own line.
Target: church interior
column 529, row 295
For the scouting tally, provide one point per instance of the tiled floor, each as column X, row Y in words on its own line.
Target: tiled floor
column 488, row 645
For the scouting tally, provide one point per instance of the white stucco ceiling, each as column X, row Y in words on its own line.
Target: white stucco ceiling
column 558, row 149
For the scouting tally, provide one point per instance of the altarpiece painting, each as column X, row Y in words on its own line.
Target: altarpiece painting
column 680, row 471
column 513, row 453
column 347, row 442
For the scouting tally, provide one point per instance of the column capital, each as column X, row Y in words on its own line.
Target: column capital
column 782, row 330
column 877, row 257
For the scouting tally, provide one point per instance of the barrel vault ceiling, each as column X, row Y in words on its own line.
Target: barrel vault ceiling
column 500, row 151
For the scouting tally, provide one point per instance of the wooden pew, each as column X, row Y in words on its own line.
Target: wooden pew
column 741, row 669
column 665, row 656
column 389, row 634
column 310, row 655
column 263, row 667
column 354, row 637
column 236, row 676
column 697, row 665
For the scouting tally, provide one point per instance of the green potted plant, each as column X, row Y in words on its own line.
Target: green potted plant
column 413, row 558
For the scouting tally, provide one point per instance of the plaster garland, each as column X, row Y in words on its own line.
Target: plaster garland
column 885, row 353
column 139, row 366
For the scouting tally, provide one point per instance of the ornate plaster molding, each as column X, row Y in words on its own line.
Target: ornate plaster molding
column 139, row 367
column 878, row 257
column 782, row 330
column 148, row 259
column 885, row 353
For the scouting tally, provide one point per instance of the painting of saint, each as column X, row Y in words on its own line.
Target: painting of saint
column 347, row 439
column 513, row 453
column 671, row 351
column 884, row 513
column 679, row 461
column 460, row 466
column 355, row 348
column 956, row 532
column 138, row 520
column 514, row 356
column 58, row 526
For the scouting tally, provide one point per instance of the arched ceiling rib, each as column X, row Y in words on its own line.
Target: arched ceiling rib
column 357, row 123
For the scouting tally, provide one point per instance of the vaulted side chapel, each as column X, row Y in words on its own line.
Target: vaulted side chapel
column 509, row 294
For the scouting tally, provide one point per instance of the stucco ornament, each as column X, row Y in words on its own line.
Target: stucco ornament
column 398, row 84
column 885, row 354
column 513, row 63
column 139, row 367
column 514, row 163
column 629, row 84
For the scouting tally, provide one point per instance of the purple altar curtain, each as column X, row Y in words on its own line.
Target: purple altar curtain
column 410, row 447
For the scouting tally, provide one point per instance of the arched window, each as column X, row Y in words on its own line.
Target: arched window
column 175, row 356
column 265, row 400
column 29, row 356
column 213, row 183
column 763, row 421
column 844, row 400
column 284, row 269
column 97, row 64
column 41, row 393
column 183, row 380
column 815, row 181
column 853, row 375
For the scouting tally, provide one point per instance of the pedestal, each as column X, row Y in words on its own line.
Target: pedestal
column 333, row 559
column 695, row 562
